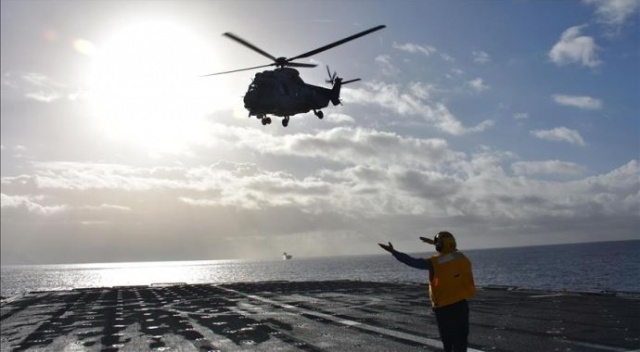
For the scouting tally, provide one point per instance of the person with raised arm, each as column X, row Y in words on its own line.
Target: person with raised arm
column 450, row 285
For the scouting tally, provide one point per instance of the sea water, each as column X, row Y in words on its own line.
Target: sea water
column 590, row 267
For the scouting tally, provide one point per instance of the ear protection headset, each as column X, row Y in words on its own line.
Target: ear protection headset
column 444, row 242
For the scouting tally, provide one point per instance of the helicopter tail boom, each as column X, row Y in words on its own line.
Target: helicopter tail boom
column 335, row 91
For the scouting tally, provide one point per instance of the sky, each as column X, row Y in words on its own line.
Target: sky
column 507, row 123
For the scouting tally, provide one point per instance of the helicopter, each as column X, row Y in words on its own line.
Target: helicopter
column 281, row 92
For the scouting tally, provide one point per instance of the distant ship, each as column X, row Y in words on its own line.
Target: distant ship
column 286, row 256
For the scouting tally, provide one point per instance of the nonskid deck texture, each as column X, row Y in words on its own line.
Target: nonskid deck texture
column 311, row 316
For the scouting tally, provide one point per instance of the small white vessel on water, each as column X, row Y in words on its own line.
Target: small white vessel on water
column 286, row 256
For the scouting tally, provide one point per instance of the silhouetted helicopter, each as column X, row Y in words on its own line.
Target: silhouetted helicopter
column 282, row 92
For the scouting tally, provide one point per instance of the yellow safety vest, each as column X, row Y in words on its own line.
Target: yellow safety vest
column 451, row 279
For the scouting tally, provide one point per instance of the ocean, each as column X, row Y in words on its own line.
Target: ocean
column 586, row 267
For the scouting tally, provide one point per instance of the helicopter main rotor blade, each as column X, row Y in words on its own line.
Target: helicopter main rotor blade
column 299, row 64
column 339, row 42
column 242, row 69
column 249, row 45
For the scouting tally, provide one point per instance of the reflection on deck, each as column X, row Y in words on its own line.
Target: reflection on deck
column 311, row 316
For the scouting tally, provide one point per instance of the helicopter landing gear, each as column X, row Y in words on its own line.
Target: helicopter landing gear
column 264, row 119
column 285, row 121
column 319, row 113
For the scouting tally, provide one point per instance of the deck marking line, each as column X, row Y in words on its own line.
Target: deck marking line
column 376, row 329
column 599, row 347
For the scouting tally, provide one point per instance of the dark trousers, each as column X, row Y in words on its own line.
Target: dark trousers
column 453, row 324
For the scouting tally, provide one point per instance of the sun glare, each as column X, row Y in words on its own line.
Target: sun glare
column 146, row 87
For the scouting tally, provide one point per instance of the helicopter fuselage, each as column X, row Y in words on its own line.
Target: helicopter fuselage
column 281, row 92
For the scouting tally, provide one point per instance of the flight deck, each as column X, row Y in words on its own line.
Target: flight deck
column 311, row 316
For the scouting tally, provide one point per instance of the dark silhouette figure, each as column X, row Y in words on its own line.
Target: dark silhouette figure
column 450, row 284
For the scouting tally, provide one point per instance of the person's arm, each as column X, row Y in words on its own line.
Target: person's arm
column 418, row 263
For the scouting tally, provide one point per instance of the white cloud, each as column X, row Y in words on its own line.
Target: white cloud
column 454, row 73
column 31, row 204
column 614, row 12
column 573, row 48
column 107, row 207
column 426, row 50
column 338, row 118
column 447, row 122
column 478, row 85
column 481, row 57
column 521, row 116
column 412, row 187
column 446, row 57
column 45, row 97
column 582, row 102
column 36, row 86
column 388, row 69
column 562, row 134
column 36, row 79
column 547, row 167
column 353, row 146
column 423, row 90
column 415, row 100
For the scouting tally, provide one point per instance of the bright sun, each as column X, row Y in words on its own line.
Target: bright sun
column 146, row 89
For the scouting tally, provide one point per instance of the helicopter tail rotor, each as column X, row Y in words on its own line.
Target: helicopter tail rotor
column 337, row 83
column 332, row 77
column 351, row 81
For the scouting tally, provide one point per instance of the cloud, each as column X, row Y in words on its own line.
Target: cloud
column 426, row 50
column 447, row 122
column 36, row 86
column 478, row 85
column 338, row 118
column 388, row 69
column 473, row 184
column 353, row 146
column 555, row 204
column 30, row 203
column 45, row 97
column 240, row 210
column 413, row 100
column 521, row 116
column 573, row 48
column 547, row 167
column 454, row 73
column 481, row 57
column 582, row 102
column 560, row 134
column 614, row 13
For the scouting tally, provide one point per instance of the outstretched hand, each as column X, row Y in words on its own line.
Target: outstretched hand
column 387, row 247
column 427, row 240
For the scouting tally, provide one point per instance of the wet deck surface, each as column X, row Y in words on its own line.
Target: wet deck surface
column 310, row 316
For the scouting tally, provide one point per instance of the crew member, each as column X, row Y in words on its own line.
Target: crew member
column 450, row 284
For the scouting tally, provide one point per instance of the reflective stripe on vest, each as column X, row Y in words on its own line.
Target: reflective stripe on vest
column 451, row 279
column 448, row 257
